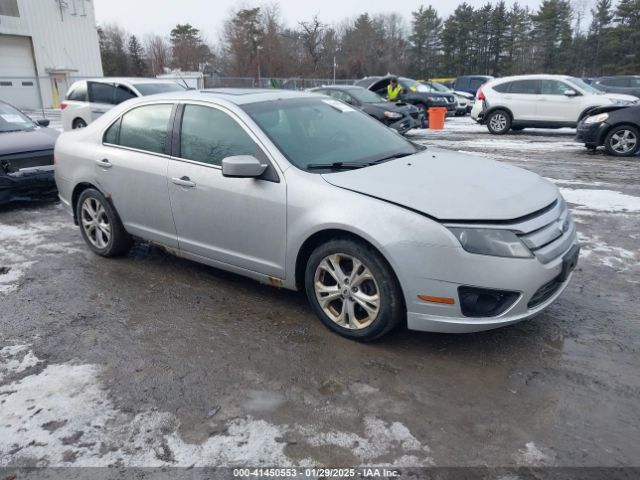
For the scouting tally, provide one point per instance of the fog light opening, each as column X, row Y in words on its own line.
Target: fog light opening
column 483, row 302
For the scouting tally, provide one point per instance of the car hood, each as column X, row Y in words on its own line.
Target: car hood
column 621, row 96
column 27, row 141
column 451, row 186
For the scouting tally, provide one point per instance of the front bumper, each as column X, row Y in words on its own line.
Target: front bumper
column 408, row 122
column 31, row 184
column 591, row 134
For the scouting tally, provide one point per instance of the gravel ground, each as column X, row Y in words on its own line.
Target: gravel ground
column 151, row 360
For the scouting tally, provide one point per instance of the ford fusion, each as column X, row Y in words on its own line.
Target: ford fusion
column 304, row 192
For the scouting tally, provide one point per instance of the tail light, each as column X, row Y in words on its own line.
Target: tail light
column 63, row 105
column 480, row 95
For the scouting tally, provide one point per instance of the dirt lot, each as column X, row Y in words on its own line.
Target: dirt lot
column 152, row 360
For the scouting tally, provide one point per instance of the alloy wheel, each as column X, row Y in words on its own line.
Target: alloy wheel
column 95, row 223
column 347, row 291
column 623, row 141
column 498, row 122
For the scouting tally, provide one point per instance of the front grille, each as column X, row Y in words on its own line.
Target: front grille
column 545, row 292
column 550, row 234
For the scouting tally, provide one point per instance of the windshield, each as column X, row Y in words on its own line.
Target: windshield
column 366, row 96
column 314, row 131
column 584, row 86
column 440, row 87
column 153, row 88
column 12, row 120
column 413, row 85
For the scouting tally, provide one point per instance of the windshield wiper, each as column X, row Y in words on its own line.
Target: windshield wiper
column 390, row 157
column 335, row 166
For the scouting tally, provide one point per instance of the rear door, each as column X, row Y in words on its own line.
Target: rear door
column 131, row 168
column 555, row 106
column 235, row 221
column 101, row 98
column 521, row 97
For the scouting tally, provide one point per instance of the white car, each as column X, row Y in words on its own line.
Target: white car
column 87, row 100
column 539, row 101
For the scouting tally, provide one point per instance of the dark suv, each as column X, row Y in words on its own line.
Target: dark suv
column 629, row 84
column 413, row 92
column 470, row 83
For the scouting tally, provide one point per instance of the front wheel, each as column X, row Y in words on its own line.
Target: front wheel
column 353, row 290
column 499, row 122
column 623, row 141
column 100, row 225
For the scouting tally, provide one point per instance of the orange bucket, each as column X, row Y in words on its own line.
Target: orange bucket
column 436, row 118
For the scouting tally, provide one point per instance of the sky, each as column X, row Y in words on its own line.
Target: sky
column 160, row 16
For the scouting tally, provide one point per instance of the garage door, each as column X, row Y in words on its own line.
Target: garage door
column 17, row 72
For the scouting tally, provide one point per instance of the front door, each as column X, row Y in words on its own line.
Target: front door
column 131, row 169
column 236, row 221
column 555, row 106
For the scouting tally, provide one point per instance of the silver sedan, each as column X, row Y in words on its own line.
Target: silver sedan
column 303, row 192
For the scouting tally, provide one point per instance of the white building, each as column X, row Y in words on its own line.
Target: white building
column 44, row 46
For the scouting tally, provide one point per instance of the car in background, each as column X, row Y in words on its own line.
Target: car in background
column 304, row 192
column 539, row 101
column 86, row 100
column 465, row 101
column 399, row 116
column 26, row 157
column 627, row 84
column 470, row 83
column 617, row 128
column 413, row 92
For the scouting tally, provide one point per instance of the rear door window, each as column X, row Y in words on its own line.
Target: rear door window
column 145, row 128
column 101, row 92
column 524, row 87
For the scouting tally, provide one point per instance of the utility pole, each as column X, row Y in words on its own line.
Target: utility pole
column 334, row 69
column 258, row 48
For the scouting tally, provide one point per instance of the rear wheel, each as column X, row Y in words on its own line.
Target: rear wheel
column 499, row 122
column 353, row 290
column 100, row 225
column 79, row 123
column 623, row 141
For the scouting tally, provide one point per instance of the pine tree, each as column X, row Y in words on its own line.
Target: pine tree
column 425, row 42
column 552, row 35
column 137, row 63
column 627, row 32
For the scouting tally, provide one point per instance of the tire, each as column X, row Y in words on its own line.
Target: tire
column 622, row 141
column 499, row 122
column 79, row 123
column 100, row 225
column 375, row 287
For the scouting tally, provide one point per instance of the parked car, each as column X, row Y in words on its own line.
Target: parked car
column 399, row 116
column 86, row 100
column 464, row 100
column 627, row 84
column 617, row 128
column 539, row 101
column 26, row 157
column 413, row 92
column 470, row 83
column 304, row 192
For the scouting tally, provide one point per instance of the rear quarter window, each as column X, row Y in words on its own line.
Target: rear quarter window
column 79, row 93
column 502, row 88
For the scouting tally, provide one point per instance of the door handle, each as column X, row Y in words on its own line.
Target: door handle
column 183, row 182
column 104, row 163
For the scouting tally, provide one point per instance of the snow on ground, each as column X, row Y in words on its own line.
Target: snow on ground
column 23, row 244
column 532, row 455
column 601, row 200
column 61, row 415
column 595, row 249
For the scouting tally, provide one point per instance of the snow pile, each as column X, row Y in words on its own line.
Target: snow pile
column 601, row 200
column 62, row 416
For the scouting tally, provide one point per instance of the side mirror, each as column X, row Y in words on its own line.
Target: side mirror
column 571, row 93
column 43, row 122
column 242, row 166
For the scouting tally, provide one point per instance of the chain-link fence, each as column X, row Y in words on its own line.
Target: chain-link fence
column 294, row 83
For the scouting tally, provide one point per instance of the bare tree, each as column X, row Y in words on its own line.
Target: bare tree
column 312, row 36
column 159, row 53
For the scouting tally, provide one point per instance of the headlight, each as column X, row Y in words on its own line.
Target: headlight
column 393, row 115
column 486, row 241
column 597, row 118
column 617, row 101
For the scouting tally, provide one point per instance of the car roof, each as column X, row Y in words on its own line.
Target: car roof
column 237, row 96
column 129, row 80
column 339, row 87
